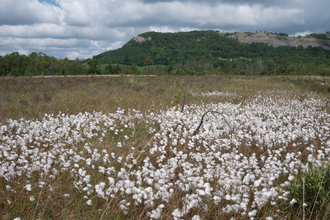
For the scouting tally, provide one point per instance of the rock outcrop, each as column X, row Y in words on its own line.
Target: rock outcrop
column 140, row 39
column 276, row 40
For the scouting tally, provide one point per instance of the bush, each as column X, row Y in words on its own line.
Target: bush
column 14, row 72
column 312, row 188
column 105, row 72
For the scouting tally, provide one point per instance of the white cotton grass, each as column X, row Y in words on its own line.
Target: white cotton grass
column 89, row 202
column 240, row 160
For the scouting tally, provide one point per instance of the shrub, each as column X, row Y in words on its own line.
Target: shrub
column 312, row 188
column 105, row 72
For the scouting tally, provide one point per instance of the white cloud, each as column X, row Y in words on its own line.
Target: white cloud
column 77, row 13
column 166, row 29
column 178, row 14
column 17, row 12
column 302, row 33
column 114, row 45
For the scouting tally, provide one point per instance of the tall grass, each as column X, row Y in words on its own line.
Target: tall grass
column 32, row 98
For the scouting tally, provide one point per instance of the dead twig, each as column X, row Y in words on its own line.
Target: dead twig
column 202, row 120
column 184, row 99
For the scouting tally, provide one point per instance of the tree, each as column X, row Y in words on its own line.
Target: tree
column 94, row 64
column 171, row 66
column 2, row 66
column 147, row 62
column 117, row 68
column 109, row 68
column 127, row 60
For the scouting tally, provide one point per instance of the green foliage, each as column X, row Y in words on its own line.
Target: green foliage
column 105, row 72
column 132, row 70
column 38, row 64
column 148, row 61
column 320, row 36
column 184, row 53
column 177, row 96
column 283, row 34
column 170, row 67
column 312, row 188
column 94, row 65
column 218, row 50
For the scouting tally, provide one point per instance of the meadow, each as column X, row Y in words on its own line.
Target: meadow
column 138, row 147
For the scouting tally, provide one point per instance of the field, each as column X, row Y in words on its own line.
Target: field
column 128, row 148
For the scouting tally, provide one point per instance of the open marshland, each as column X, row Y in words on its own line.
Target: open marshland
column 128, row 148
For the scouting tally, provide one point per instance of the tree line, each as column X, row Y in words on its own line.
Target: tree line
column 39, row 64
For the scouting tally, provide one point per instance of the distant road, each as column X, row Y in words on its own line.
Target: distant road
column 72, row 76
column 238, row 76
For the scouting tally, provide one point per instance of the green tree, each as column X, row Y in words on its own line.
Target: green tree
column 117, row 69
column 94, row 64
column 75, row 67
column 2, row 66
column 127, row 60
column 41, row 66
column 109, row 68
column 170, row 67
column 147, row 62
column 14, row 63
column 54, row 66
column 134, row 69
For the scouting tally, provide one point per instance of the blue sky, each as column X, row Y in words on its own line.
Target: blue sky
column 52, row 2
column 83, row 28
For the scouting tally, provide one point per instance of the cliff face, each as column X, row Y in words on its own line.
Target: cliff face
column 276, row 40
column 140, row 39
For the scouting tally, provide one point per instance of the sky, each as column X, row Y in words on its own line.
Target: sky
column 83, row 28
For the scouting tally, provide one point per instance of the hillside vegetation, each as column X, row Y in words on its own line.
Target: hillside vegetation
column 216, row 48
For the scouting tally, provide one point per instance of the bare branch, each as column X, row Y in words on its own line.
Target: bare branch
column 184, row 98
column 201, row 123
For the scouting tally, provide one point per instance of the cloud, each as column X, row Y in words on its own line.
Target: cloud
column 77, row 13
column 178, row 15
column 83, row 28
column 302, row 33
column 267, row 3
column 23, row 12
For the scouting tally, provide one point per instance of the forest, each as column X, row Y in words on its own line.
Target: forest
column 183, row 53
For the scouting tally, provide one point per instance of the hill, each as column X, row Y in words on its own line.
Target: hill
column 217, row 48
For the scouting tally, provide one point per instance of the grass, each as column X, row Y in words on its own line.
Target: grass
column 32, row 98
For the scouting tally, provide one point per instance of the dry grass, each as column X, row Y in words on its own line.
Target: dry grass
column 32, row 98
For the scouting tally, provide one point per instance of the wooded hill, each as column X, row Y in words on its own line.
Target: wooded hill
column 215, row 48
column 189, row 53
